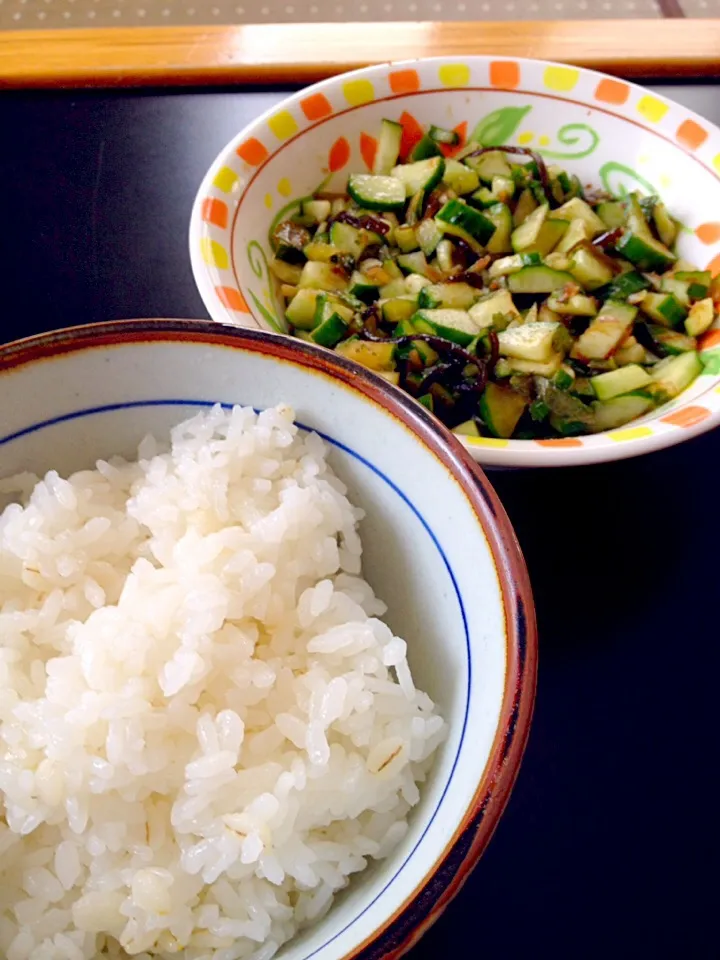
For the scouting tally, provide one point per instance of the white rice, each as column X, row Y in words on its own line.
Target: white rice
column 205, row 729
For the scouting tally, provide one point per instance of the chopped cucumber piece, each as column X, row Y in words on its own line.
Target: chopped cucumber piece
column 531, row 315
column 538, row 280
column 670, row 341
column 327, row 304
column 644, row 251
column 459, row 214
column 626, row 284
column 494, row 311
column 455, row 325
column 700, row 318
column 501, row 409
column 404, row 328
column 630, row 352
column 664, row 224
column 466, row 429
column 489, row 165
column 637, row 243
column 606, row 332
column 444, row 254
column 577, row 209
column 558, row 261
column 362, row 288
column 388, row 147
column 698, row 282
column 524, row 207
column 459, row 296
column 443, row 135
column 322, row 276
column 576, row 306
column 426, row 352
column 499, row 214
column 415, row 208
column 577, row 232
column 425, row 148
column 535, row 341
column 616, row 382
column 507, row 265
column 330, row 325
column 349, row 239
column 428, row 401
column 320, row 252
column 396, row 288
column 538, row 233
column 375, row 192
column 300, row 312
column 502, row 188
column 545, row 313
column 406, row 238
column 454, row 231
column 374, row 356
column 534, row 367
column 664, row 308
column 423, row 175
column 428, row 235
column 620, row 410
column 612, row 213
column 589, row 267
column 392, row 270
column 678, row 288
column 399, row 308
column 286, row 272
column 316, row 210
column 676, row 373
column 415, row 282
column 460, row 178
column 482, row 198
column 413, row 262
column 428, row 300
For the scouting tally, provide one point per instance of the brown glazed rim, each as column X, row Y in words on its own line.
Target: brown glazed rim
column 435, row 889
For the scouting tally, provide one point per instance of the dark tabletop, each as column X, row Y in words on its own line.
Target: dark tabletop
column 609, row 847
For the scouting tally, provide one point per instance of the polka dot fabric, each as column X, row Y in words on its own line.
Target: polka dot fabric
column 609, row 132
column 39, row 14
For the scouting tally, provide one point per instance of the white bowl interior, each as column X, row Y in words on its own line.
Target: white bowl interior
column 425, row 552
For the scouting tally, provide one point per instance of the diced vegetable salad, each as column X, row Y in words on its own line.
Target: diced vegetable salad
column 497, row 291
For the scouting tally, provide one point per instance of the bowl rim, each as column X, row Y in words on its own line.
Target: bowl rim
column 680, row 422
column 451, row 867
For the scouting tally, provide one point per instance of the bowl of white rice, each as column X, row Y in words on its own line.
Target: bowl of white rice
column 267, row 651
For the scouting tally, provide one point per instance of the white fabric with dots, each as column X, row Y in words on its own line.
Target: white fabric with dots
column 26, row 14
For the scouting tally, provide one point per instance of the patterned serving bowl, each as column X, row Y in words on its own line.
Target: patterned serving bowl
column 88, row 393
column 610, row 133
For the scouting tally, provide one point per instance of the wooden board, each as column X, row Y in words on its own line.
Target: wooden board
column 297, row 54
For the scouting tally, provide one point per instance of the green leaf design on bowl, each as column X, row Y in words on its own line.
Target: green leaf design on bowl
column 578, row 135
column 499, row 126
column 274, row 325
column 614, row 177
column 259, row 266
